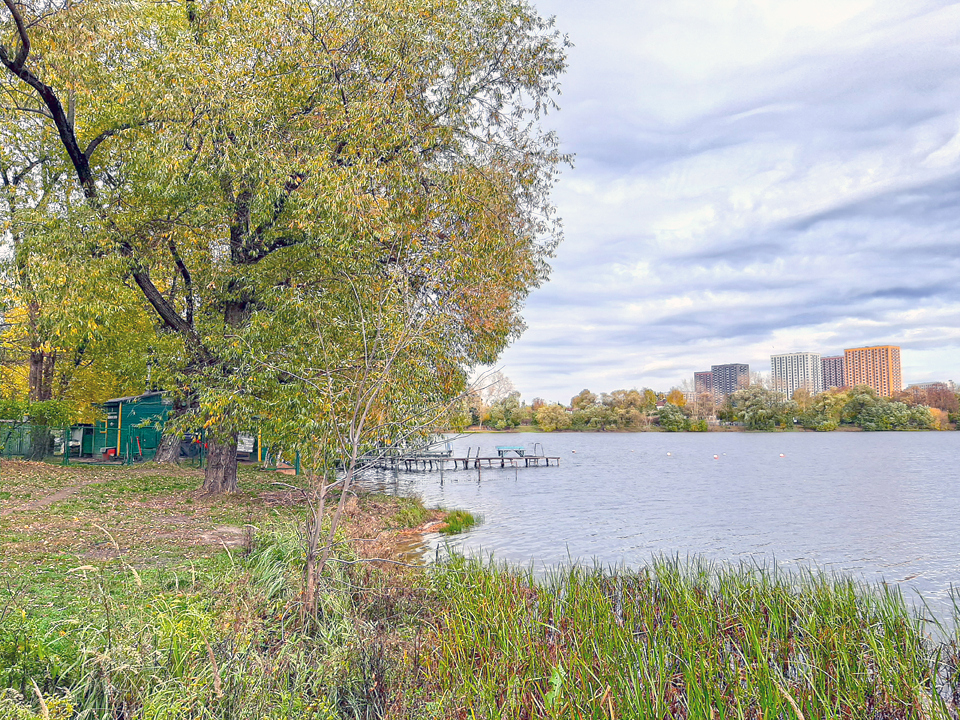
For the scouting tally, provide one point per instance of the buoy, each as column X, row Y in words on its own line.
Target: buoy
column 716, row 457
column 668, row 454
column 782, row 455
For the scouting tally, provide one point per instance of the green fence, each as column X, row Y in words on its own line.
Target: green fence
column 39, row 442
column 32, row 442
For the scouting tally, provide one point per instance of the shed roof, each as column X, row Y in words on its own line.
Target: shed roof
column 130, row 398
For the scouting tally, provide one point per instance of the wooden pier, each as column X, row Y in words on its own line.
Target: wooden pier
column 442, row 461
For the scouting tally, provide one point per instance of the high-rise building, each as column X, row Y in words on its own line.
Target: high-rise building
column 703, row 382
column 833, row 372
column 790, row 372
column 729, row 378
column 878, row 367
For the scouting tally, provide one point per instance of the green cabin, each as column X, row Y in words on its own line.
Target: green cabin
column 133, row 426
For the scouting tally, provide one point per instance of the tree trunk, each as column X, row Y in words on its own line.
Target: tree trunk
column 41, row 443
column 40, row 380
column 169, row 450
column 220, row 475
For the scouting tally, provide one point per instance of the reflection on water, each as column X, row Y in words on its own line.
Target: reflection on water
column 880, row 506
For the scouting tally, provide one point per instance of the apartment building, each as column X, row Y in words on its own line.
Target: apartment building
column 833, row 372
column 790, row 372
column 703, row 382
column 936, row 385
column 729, row 378
column 878, row 367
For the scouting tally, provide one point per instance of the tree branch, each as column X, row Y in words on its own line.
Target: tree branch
column 110, row 133
column 18, row 178
column 251, row 248
column 49, row 97
column 21, row 57
column 281, row 242
column 187, row 280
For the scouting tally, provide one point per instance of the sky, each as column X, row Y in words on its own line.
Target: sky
column 751, row 178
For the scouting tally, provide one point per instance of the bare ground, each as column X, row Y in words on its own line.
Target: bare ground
column 150, row 512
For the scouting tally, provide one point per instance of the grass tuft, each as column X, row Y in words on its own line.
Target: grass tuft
column 456, row 521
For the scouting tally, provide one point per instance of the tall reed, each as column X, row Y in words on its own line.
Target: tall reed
column 681, row 639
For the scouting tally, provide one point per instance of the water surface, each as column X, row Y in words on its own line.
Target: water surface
column 880, row 506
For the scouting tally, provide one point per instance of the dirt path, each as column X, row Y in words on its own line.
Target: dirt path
column 61, row 494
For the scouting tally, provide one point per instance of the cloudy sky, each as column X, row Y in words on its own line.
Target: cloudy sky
column 751, row 177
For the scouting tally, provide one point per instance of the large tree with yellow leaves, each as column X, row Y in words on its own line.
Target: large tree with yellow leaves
column 234, row 161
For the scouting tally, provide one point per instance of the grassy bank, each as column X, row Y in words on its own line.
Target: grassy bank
column 98, row 626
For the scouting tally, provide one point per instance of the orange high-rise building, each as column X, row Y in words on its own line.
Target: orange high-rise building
column 878, row 367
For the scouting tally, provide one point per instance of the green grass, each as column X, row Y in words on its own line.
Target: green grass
column 456, row 521
column 412, row 514
column 125, row 642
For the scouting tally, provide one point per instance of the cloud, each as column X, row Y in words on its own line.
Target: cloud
column 751, row 177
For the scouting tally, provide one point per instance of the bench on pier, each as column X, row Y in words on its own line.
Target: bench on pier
column 502, row 450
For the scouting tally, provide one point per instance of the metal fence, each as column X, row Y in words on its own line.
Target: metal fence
column 32, row 442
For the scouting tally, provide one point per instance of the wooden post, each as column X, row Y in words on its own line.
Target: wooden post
column 119, row 426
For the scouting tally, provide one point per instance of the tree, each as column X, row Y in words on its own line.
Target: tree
column 672, row 418
column 803, row 398
column 858, row 400
column 676, row 397
column 507, row 412
column 594, row 416
column 825, row 411
column 649, row 400
column 761, row 409
column 352, row 393
column 397, row 136
column 553, row 417
column 583, row 400
column 495, row 387
column 887, row 414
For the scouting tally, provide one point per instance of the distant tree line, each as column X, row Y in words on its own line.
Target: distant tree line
column 503, row 409
column 756, row 407
column 759, row 408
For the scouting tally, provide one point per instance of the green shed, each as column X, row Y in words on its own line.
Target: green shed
column 133, row 426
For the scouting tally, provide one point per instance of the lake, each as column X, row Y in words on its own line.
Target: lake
column 879, row 506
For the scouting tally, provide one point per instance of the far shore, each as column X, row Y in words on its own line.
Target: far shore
column 474, row 429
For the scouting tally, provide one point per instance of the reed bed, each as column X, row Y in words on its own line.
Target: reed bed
column 682, row 639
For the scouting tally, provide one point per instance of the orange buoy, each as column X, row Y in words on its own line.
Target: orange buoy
column 716, row 457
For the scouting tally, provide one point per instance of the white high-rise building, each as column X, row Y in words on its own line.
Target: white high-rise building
column 791, row 371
